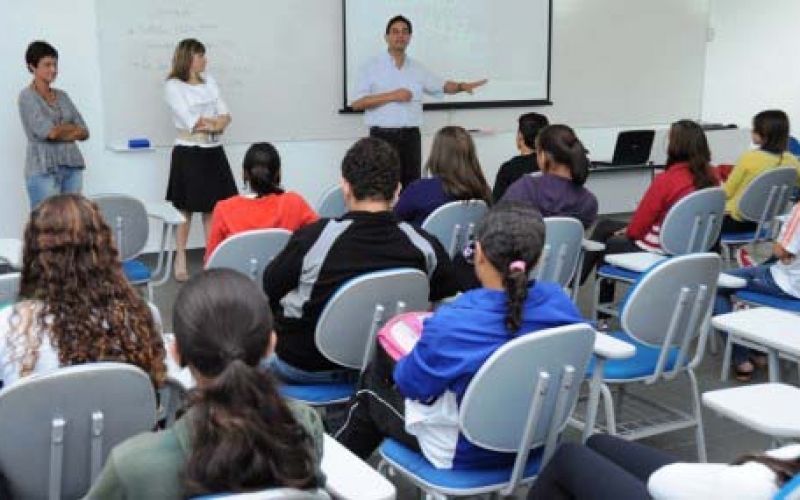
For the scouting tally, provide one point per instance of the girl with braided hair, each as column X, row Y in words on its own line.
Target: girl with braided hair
column 238, row 434
column 456, row 340
column 76, row 304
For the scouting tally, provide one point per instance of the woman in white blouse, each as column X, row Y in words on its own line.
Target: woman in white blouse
column 200, row 174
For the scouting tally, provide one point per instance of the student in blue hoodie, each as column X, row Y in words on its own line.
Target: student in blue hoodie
column 401, row 401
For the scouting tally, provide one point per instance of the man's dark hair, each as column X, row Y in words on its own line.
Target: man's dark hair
column 399, row 19
column 530, row 124
column 37, row 51
column 372, row 168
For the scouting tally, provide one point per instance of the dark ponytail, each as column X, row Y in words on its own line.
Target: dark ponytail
column 562, row 146
column 262, row 169
column 243, row 435
column 512, row 237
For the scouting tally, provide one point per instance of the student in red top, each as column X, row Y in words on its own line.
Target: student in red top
column 688, row 169
column 272, row 207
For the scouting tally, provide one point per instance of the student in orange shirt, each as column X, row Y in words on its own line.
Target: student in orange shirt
column 272, row 207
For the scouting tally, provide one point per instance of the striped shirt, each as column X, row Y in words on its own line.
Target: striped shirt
column 787, row 276
column 322, row 256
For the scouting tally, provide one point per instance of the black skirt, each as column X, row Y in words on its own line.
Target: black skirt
column 199, row 178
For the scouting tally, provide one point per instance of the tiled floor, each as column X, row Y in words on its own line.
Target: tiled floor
column 725, row 439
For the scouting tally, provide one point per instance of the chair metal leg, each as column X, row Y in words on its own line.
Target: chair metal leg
column 608, row 407
column 712, row 342
column 726, row 359
column 698, row 415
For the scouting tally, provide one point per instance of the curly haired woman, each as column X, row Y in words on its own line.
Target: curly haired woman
column 76, row 305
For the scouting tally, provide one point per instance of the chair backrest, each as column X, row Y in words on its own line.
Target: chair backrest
column 670, row 306
column 331, row 204
column 127, row 218
column 249, row 252
column 9, row 287
column 524, row 393
column 454, row 223
column 272, row 494
column 767, row 196
column 58, row 428
column 694, row 222
column 347, row 327
column 11, row 252
column 562, row 250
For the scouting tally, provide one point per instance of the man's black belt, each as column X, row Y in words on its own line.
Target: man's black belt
column 394, row 130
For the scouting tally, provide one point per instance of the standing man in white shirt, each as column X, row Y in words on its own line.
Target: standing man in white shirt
column 390, row 90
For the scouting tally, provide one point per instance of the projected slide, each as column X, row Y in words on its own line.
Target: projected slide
column 506, row 41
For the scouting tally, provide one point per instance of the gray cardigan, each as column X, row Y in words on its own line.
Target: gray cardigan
column 38, row 117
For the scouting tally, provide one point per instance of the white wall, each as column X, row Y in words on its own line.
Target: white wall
column 311, row 166
column 751, row 62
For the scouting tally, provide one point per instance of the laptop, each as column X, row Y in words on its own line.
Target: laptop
column 633, row 148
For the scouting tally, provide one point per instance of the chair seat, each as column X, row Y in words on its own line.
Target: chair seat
column 617, row 273
column 320, row 394
column 746, row 237
column 638, row 262
column 417, row 465
column 136, row 271
column 642, row 364
column 762, row 299
column 770, row 409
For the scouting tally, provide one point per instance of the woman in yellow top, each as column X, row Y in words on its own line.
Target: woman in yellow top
column 771, row 135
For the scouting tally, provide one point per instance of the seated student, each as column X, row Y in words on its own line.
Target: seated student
column 322, row 256
column 455, row 174
column 238, row 434
column 456, row 340
column 525, row 163
column 688, row 169
column 610, row 467
column 559, row 190
column 780, row 278
column 75, row 304
column 272, row 207
column 771, row 135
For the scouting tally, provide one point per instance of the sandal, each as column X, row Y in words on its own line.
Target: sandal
column 744, row 371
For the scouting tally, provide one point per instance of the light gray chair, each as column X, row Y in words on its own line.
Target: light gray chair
column 666, row 316
column 127, row 217
column 11, row 252
column 518, row 402
column 58, row 428
column 249, row 252
column 766, row 197
column 692, row 225
column 9, row 287
column 454, row 223
column 331, row 204
column 347, row 328
column 562, row 253
column 272, row 494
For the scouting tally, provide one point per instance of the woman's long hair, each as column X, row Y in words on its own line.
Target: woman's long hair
column 71, row 267
column 182, row 58
column 512, row 238
column 453, row 159
column 244, row 437
column 688, row 144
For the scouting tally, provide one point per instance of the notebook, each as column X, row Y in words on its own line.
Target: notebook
column 632, row 148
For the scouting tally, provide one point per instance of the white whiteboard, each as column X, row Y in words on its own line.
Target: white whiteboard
column 280, row 68
column 463, row 40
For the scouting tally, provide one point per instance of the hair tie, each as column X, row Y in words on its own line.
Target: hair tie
column 517, row 265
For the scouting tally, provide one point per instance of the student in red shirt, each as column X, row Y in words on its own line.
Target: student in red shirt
column 688, row 169
column 272, row 207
